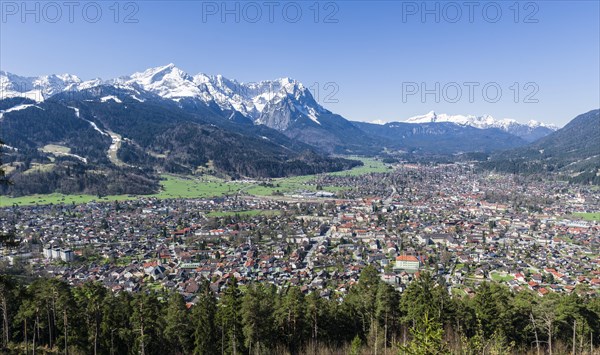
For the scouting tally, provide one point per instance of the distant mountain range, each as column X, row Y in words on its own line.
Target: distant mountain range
column 440, row 137
column 163, row 119
column 529, row 131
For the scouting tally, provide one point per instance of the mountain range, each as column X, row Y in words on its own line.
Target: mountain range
column 163, row 119
column 282, row 104
column 529, row 131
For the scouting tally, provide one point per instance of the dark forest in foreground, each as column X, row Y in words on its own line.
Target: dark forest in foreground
column 50, row 315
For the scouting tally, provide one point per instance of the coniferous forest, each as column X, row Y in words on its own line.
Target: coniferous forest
column 47, row 316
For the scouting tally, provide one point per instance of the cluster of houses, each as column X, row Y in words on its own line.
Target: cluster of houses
column 447, row 220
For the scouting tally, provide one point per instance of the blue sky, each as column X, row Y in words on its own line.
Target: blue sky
column 380, row 56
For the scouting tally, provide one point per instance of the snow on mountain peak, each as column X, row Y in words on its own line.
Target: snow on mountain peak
column 167, row 81
column 426, row 118
column 535, row 124
column 482, row 122
column 529, row 131
column 256, row 101
column 35, row 88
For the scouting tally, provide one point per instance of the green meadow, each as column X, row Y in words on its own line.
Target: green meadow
column 250, row 213
column 204, row 187
column 304, row 182
column 172, row 187
column 498, row 277
column 369, row 166
column 593, row 216
column 189, row 187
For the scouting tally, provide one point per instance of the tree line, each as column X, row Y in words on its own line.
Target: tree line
column 49, row 316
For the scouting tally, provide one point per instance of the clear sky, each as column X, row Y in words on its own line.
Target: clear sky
column 380, row 56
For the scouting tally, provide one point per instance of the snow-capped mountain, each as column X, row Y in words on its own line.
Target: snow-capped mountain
column 275, row 103
column 283, row 104
column 529, row 131
column 41, row 87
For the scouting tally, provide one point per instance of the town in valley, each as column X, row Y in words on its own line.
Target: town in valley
column 461, row 225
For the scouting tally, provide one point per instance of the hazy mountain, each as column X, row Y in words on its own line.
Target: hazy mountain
column 529, row 131
column 440, row 137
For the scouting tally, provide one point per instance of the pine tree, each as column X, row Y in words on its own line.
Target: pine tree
column 423, row 296
column 257, row 316
column 290, row 318
column 203, row 316
column 230, row 319
column 427, row 339
column 178, row 331
column 356, row 346
column 8, row 300
column 116, row 327
column 362, row 298
column 147, row 324
column 90, row 297
column 387, row 310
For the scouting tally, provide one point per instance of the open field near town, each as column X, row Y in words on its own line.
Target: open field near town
column 499, row 277
column 188, row 187
column 295, row 183
column 207, row 186
column 56, row 199
column 242, row 213
column 173, row 187
column 370, row 166
column 595, row 216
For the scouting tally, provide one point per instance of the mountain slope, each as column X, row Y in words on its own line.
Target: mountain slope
column 282, row 104
column 130, row 132
column 573, row 149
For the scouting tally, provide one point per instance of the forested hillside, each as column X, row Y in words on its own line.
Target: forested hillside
column 573, row 150
column 49, row 315
column 72, row 144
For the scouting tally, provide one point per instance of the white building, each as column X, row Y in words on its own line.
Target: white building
column 407, row 262
column 66, row 255
column 48, row 252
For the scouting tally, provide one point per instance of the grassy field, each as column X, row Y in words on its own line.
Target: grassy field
column 35, row 167
column 369, row 166
column 283, row 185
column 55, row 148
column 295, row 183
column 595, row 216
column 172, row 187
column 207, row 186
column 242, row 213
column 57, row 199
column 182, row 187
column 500, row 277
